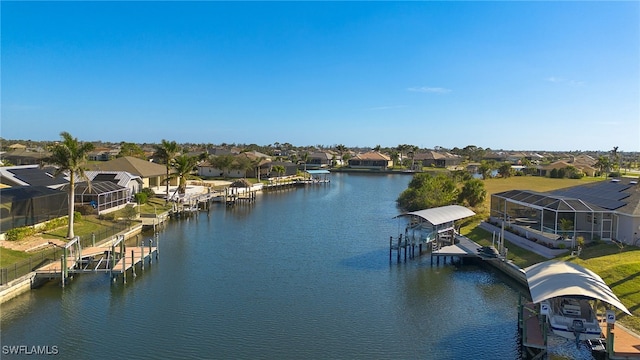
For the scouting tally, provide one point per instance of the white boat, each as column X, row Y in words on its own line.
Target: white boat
column 571, row 318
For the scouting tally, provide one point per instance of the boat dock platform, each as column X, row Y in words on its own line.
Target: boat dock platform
column 461, row 247
column 533, row 329
column 113, row 258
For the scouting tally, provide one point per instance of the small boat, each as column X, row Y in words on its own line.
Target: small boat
column 572, row 318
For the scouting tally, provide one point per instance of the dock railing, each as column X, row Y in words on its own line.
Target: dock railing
column 44, row 257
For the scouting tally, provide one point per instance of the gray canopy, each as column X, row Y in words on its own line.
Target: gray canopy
column 551, row 279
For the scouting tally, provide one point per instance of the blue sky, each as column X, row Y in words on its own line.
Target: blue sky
column 499, row 75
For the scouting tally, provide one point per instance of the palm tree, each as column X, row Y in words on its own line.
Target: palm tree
column 70, row 156
column 603, row 164
column 305, row 159
column 183, row 166
column 167, row 151
column 279, row 169
column 485, row 169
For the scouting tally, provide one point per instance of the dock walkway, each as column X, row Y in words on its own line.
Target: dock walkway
column 112, row 257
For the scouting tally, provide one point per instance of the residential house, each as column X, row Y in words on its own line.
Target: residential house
column 31, row 175
column 606, row 210
column 103, row 154
column 23, row 156
column 124, row 179
column 290, row 168
column 152, row 175
column 319, row 160
column 436, row 159
column 371, row 160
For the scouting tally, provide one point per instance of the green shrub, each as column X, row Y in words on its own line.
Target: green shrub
column 55, row 223
column 85, row 209
column 141, row 198
column 109, row 216
column 19, row 233
column 150, row 193
column 77, row 216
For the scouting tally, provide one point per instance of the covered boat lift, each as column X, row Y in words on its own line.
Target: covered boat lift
column 551, row 279
column 557, row 279
column 435, row 225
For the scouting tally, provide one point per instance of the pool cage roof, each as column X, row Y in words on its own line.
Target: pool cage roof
column 96, row 188
column 549, row 201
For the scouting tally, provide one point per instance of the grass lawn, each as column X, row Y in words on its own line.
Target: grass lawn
column 154, row 205
column 10, row 257
column 84, row 227
column 519, row 256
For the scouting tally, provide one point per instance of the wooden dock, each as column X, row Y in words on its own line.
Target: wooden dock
column 113, row 258
column 626, row 345
column 532, row 331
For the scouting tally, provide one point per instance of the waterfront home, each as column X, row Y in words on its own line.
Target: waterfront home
column 151, row 174
column 30, row 175
column 605, row 210
column 319, row 160
column 133, row 183
column 373, row 160
column 436, row 159
column 561, row 164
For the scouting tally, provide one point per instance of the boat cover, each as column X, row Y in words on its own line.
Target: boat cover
column 442, row 215
column 551, row 279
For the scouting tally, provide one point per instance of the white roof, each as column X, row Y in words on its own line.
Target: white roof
column 442, row 215
column 551, row 279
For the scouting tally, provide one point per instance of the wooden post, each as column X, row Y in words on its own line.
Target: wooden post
column 62, row 265
column 142, row 257
column 124, row 268
column 133, row 264
column 390, row 246
column 150, row 251
column 398, row 249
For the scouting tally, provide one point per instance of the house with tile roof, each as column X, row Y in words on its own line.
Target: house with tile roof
column 437, row 159
column 371, row 160
column 152, row 175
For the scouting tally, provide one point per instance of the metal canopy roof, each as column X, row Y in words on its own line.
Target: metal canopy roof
column 442, row 215
column 551, row 279
column 315, row 172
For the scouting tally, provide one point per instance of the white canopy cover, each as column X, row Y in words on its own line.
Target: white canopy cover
column 551, row 279
column 442, row 215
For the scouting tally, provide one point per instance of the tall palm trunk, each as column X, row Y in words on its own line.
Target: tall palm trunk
column 167, row 180
column 72, row 195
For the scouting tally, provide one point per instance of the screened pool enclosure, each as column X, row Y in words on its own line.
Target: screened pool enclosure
column 553, row 216
column 30, row 205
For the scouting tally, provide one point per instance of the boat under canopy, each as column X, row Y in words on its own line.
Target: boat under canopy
column 551, row 279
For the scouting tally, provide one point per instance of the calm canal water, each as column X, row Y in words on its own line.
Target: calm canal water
column 303, row 273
